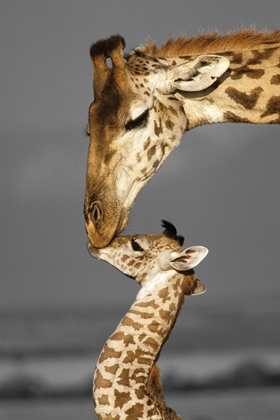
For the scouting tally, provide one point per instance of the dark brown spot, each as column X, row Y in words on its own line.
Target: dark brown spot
column 138, row 356
column 108, row 352
column 231, row 117
column 156, row 164
column 164, row 314
column 248, row 101
column 238, row 73
column 155, row 327
column 144, row 315
column 260, row 57
column 151, row 304
column 104, row 400
column 121, row 398
column 112, row 369
column 147, row 143
column 124, row 377
column 100, row 381
column 173, row 110
column 236, row 58
column 163, row 294
column 151, row 152
column 138, row 375
column 151, row 342
column 127, row 339
column 157, row 128
column 275, row 80
column 135, row 412
column 172, row 307
column 169, row 124
column 128, row 322
column 272, row 107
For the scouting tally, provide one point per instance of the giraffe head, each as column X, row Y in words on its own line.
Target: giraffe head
column 135, row 121
column 149, row 258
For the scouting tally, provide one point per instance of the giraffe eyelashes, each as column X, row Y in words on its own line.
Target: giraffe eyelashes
column 138, row 122
column 136, row 246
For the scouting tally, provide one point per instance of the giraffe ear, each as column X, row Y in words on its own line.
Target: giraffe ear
column 198, row 289
column 188, row 258
column 202, row 73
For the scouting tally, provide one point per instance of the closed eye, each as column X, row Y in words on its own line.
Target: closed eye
column 135, row 245
column 140, row 121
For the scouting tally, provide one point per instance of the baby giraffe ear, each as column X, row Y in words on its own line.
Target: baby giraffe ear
column 198, row 288
column 188, row 258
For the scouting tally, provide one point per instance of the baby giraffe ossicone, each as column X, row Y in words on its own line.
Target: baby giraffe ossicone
column 127, row 383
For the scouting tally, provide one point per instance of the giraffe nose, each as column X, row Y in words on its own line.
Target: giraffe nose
column 96, row 213
column 102, row 225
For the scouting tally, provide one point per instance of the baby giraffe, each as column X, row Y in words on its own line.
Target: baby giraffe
column 127, row 382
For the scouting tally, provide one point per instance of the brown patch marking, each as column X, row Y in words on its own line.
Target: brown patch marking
column 148, row 304
column 151, row 152
column 164, row 314
column 158, row 128
column 144, row 315
column 135, row 412
column 138, row 375
column 147, row 143
column 231, row 117
column 124, row 258
column 128, row 322
column 237, row 58
column 127, row 339
column 103, row 400
column 155, row 328
column 121, row 398
column 248, row 101
column 151, row 342
column 137, row 356
column 112, row 369
column 246, row 71
column 108, row 352
column 164, row 294
column 100, row 381
column 272, row 107
column 169, row 124
column 275, row 80
column 124, row 378
column 260, row 57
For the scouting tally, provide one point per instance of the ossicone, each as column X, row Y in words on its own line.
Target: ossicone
column 171, row 232
column 106, row 47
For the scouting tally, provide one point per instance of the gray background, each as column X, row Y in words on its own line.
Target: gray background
column 220, row 187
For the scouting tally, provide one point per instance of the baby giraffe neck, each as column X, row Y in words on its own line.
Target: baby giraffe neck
column 126, row 361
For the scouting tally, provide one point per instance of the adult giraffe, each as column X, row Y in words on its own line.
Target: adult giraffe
column 146, row 100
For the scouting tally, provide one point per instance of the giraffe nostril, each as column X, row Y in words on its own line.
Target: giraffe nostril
column 96, row 213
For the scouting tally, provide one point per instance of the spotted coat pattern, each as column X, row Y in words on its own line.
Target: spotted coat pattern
column 147, row 100
column 127, row 382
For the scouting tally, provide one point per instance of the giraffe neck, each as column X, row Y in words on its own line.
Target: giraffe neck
column 126, row 361
column 248, row 92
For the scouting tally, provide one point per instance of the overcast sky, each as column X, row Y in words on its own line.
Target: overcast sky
column 220, row 187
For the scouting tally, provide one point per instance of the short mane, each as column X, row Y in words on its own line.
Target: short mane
column 213, row 42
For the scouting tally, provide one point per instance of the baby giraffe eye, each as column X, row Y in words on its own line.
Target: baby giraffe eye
column 135, row 245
